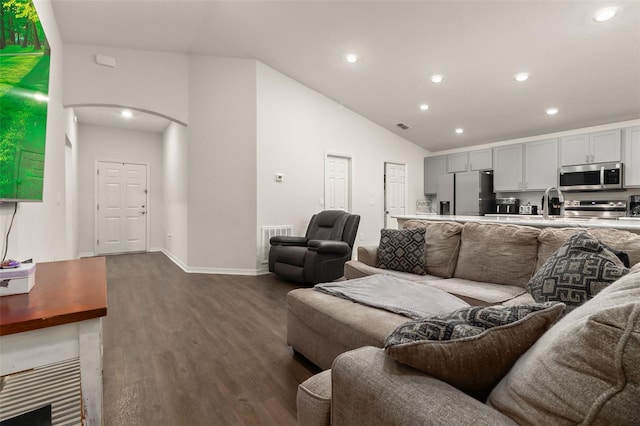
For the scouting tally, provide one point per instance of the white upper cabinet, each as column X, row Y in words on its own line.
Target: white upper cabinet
column 473, row 160
column 540, row 164
column 481, row 159
column 632, row 156
column 532, row 166
column 598, row 147
column 433, row 167
column 457, row 162
column 507, row 168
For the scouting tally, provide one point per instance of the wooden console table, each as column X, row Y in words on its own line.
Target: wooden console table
column 59, row 319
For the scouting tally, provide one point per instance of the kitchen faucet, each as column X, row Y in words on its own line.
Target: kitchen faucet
column 547, row 207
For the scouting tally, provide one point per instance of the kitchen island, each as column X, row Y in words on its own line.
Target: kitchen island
column 531, row 220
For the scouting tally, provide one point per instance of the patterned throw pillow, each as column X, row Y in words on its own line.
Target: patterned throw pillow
column 402, row 250
column 576, row 272
column 472, row 348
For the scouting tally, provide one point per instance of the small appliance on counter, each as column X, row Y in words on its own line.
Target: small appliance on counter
column 529, row 209
column 554, row 208
column 634, row 206
column 507, row 205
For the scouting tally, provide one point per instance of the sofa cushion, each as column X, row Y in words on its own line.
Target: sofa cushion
column 471, row 348
column 575, row 273
column 313, row 401
column 476, row 292
column 356, row 269
column 500, row 254
column 586, row 369
column 442, row 243
column 551, row 239
column 401, row 250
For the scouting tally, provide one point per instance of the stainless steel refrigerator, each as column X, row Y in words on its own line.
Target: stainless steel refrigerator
column 466, row 193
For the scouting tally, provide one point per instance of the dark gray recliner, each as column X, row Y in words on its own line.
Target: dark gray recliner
column 320, row 255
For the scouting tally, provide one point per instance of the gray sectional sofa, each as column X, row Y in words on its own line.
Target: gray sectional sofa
column 483, row 264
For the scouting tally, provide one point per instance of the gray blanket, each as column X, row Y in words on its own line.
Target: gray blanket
column 396, row 295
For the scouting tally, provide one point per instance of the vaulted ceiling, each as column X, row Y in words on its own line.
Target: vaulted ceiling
column 588, row 70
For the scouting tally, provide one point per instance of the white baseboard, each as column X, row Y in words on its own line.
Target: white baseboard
column 205, row 270
column 86, row 254
column 175, row 260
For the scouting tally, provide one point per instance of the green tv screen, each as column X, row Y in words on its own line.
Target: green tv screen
column 24, row 88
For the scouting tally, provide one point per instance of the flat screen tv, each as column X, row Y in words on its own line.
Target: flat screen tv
column 24, row 88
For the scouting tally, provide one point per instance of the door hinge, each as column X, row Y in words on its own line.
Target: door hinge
column 97, row 242
column 98, row 172
column 98, row 206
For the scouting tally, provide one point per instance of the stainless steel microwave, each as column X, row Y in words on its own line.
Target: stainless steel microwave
column 591, row 177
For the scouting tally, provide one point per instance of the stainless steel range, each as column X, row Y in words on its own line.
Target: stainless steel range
column 595, row 209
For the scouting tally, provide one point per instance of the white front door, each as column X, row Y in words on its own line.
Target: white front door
column 122, row 208
column 394, row 193
column 336, row 186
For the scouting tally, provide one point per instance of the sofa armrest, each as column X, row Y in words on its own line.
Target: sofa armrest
column 283, row 240
column 329, row 246
column 370, row 388
column 368, row 255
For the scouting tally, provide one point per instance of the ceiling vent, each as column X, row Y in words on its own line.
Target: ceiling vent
column 402, row 126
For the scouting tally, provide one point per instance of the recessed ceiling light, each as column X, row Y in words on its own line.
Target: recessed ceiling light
column 126, row 113
column 552, row 111
column 605, row 14
column 424, row 107
column 437, row 78
column 352, row 58
column 522, row 76
column 459, row 130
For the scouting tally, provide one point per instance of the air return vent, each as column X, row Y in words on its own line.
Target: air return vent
column 402, row 126
column 272, row 231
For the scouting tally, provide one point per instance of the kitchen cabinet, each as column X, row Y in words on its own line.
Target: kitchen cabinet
column 540, row 165
column 472, row 160
column 632, row 156
column 597, row 147
column 532, row 166
column 433, row 167
column 507, row 168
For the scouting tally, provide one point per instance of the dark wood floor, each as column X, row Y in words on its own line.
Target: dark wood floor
column 196, row 349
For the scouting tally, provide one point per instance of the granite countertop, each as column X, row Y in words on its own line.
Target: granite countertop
column 535, row 220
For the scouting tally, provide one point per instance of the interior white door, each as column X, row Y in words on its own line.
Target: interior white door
column 122, row 208
column 394, row 193
column 336, row 186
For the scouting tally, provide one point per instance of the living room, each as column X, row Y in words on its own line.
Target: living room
column 233, row 124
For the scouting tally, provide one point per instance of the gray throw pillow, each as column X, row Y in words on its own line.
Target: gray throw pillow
column 402, row 250
column 472, row 348
column 576, row 272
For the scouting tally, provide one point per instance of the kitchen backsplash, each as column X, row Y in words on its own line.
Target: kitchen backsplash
column 535, row 197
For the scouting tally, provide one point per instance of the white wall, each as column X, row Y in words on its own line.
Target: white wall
column 222, row 165
column 175, row 146
column 114, row 144
column 296, row 127
column 71, row 183
column 145, row 80
column 39, row 230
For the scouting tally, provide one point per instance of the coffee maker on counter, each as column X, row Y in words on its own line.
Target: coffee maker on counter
column 634, row 206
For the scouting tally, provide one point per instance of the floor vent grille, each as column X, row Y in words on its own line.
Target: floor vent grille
column 273, row 231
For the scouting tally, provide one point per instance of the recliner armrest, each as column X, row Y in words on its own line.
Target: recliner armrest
column 282, row 240
column 329, row 246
